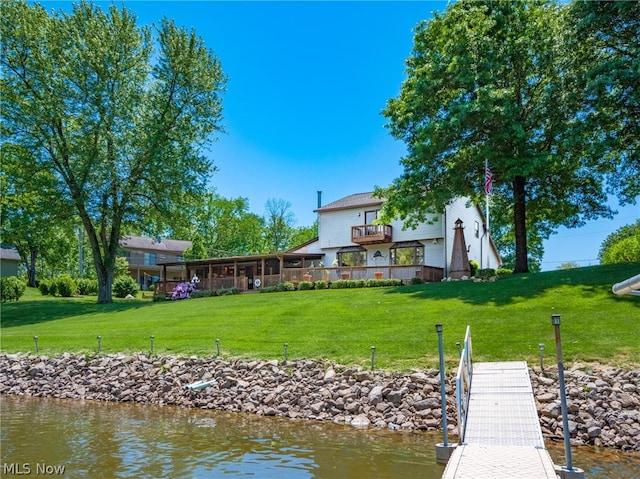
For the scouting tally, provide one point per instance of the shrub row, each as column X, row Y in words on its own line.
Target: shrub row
column 61, row 285
column 339, row 284
column 11, row 288
column 64, row 285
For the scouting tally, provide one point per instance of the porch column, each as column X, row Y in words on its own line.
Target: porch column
column 210, row 280
column 263, row 265
column 164, row 279
column 281, row 259
column 235, row 273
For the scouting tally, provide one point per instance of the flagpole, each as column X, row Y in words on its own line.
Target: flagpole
column 487, row 188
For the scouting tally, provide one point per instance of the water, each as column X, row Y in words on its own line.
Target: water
column 41, row 437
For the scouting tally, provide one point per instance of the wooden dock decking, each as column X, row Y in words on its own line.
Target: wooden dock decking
column 501, row 434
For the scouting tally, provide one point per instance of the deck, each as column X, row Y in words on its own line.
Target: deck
column 501, row 430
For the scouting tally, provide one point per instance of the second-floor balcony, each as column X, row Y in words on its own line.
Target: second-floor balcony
column 371, row 234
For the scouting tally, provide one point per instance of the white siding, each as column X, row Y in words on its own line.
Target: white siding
column 335, row 232
column 476, row 241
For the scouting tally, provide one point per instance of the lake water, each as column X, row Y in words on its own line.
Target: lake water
column 85, row 439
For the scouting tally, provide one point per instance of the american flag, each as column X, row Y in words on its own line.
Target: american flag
column 488, row 180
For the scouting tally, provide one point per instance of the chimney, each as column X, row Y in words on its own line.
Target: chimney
column 319, row 198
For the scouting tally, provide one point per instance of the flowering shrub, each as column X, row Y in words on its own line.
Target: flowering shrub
column 182, row 291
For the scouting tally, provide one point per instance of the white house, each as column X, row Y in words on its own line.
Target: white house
column 352, row 245
column 349, row 235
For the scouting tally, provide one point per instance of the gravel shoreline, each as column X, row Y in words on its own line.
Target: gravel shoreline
column 604, row 402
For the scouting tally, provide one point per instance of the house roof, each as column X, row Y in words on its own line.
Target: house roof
column 155, row 244
column 8, row 253
column 352, row 201
column 244, row 259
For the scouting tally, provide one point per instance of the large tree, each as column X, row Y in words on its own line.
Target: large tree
column 118, row 115
column 279, row 225
column 606, row 52
column 225, row 227
column 31, row 218
column 489, row 81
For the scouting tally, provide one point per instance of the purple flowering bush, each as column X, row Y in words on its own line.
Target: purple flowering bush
column 182, row 291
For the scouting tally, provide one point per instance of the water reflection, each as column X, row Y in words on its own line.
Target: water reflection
column 91, row 439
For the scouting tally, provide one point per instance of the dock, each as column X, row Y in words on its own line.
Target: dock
column 499, row 428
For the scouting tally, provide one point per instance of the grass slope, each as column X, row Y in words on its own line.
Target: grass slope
column 508, row 319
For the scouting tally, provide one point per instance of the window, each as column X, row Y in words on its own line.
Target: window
column 352, row 256
column 150, row 259
column 408, row 253
column 370, row 217
column 352, row 259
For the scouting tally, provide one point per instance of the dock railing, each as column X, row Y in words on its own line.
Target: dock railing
column 463, row 383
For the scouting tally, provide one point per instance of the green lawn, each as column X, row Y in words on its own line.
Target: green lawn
column 508, row 319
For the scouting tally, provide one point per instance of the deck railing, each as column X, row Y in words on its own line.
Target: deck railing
column 406, row 273
column 295, row 275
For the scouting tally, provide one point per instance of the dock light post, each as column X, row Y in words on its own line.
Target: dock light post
column 373, row 357
column 443, row 450
column 570, row 472
column 541, row 348
column 286, row 352
column 151, row 339
column 218, row 347
column 35, row 340
column 99, row 338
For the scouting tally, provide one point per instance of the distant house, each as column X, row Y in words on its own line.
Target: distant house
column 145, row 255
column 9, row 261
column 351, row 244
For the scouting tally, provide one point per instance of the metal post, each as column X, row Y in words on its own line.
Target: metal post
column 444, row 450
column 555, row 321
column 99, row 338
column 218, row 347
column 35, row 340
column 443, row 394
column 373, row 356
column 151, row 338
column 541, row 348
column 286, row 352
column 459, row 348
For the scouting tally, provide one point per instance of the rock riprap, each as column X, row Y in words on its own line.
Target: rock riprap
column 604, row 403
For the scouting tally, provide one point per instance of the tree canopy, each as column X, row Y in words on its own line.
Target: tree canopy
column 498, row 81
column 119, row 116
column 621, row 246
column 606, row 53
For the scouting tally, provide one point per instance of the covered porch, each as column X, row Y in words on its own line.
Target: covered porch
column 250, row 273
column 246, row 273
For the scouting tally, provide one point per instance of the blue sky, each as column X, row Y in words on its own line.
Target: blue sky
column 307, row 82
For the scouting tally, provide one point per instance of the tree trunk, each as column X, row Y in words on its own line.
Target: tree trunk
column 31, row 268
column 105, row 284
column 520, row 222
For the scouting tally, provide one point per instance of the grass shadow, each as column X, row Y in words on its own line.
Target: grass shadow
column 46, row 310
column 589, row 281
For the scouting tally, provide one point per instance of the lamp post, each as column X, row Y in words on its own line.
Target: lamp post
column 373, row 357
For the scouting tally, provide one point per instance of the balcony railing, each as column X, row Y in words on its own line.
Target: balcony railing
column 371, row 234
